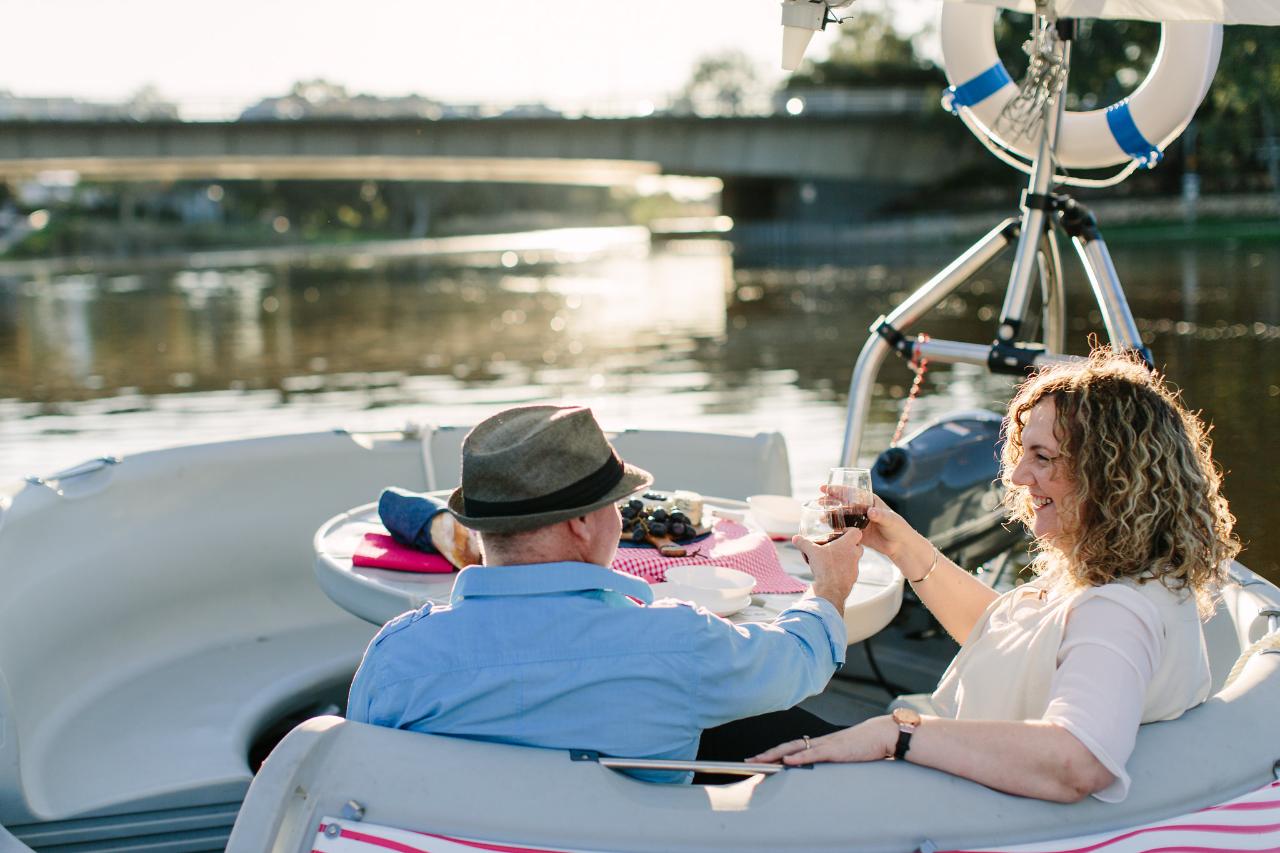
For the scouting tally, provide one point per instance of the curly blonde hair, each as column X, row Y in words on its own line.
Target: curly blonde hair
column 1147, row 494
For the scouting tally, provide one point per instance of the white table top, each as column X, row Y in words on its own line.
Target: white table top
column 377, row 595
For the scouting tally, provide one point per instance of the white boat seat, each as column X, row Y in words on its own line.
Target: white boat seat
column 540, row 798
column 138, row 660
column 724, row 465
column 727, row 466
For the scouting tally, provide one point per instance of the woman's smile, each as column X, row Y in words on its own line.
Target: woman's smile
column 1040, row 470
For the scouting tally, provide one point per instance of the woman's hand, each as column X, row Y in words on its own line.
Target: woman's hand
column 872, row 740
column 888, row 532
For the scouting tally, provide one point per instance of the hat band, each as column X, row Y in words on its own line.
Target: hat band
column 579, row 493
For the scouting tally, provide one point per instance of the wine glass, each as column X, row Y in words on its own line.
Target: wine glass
column 822, row 520
column 851, row 488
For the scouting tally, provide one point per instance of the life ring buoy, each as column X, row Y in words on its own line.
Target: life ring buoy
column 1136, row 128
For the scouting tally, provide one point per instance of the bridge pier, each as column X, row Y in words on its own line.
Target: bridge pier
column 754, row 200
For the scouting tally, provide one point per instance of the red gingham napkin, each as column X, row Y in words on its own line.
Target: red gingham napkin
column 731, row 545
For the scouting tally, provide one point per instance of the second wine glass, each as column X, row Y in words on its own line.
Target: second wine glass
column 822, row 520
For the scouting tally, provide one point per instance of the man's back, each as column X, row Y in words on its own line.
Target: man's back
column 556, row 655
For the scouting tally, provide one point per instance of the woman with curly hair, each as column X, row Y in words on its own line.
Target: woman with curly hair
column 1114, row 477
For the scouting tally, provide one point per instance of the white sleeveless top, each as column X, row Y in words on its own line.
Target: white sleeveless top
column 1097, row 661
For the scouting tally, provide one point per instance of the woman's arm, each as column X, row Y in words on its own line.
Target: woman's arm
column 953, row 595
column 1029, row 758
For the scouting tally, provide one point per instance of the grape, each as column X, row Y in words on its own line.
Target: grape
column 635, row 505
column 677, row 528
column 659, row 514
column 628, row 512
column 680, row 517
column 657, row 528
column 637, row 535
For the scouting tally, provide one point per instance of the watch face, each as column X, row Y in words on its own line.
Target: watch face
column 906, row 717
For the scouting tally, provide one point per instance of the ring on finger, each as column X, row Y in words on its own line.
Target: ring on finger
column 807, row 745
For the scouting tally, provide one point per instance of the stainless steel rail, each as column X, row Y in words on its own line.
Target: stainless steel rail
column 728, row 768
column 76, row 471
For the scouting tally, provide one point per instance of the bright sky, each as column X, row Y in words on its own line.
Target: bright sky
column 229, row 52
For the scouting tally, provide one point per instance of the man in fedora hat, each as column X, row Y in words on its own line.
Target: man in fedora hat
column 544, row 645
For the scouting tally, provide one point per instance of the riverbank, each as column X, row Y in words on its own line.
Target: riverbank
column 1130, row 221
column 559, row 244
column 1150, row 220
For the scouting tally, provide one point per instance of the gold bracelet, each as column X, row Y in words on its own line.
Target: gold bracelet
column 932, row 566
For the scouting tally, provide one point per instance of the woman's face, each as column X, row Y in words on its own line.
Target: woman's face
column 1042, row 472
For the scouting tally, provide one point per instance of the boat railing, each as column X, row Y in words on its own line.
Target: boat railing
column 1018, row 345
column 727, row 768
column 53, row 480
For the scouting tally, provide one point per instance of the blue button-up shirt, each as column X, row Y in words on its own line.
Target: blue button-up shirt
column 559, row 655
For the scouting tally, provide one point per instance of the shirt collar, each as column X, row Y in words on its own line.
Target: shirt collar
column 543, row 578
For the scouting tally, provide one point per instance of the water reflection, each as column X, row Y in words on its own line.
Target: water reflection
column 674, row 338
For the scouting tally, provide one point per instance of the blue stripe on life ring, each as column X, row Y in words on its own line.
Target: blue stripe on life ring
column 977, row 89
column 1129, row 138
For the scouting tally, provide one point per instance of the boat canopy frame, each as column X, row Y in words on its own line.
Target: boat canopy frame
column 1044, row 212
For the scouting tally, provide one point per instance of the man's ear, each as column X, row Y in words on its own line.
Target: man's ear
column 579, row 527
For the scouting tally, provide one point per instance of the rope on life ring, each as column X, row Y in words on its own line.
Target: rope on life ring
column 1134, row 130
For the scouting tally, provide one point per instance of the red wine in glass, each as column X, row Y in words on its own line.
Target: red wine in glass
column 855, row 515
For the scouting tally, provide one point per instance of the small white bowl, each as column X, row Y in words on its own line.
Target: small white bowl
column 716, row 581
column 779, row 515
column 707, row 598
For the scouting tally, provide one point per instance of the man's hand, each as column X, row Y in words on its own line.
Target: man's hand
column 834, row 565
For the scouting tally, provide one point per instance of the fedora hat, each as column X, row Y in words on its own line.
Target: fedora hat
column 534, row 466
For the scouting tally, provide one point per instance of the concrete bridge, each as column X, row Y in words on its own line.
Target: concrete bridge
column 769, row 163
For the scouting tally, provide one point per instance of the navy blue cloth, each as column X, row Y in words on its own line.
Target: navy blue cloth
column 407, row 516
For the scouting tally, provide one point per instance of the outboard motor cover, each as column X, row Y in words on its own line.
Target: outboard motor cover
column 944, row 480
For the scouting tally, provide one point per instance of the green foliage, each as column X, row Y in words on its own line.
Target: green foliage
column 728, row 83
column 1241, row 112
column 868, row 52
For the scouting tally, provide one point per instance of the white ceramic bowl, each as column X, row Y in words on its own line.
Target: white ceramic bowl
column 713, row 581
column 710, row 599
column 779, row 515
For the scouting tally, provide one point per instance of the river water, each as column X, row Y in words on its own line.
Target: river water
column 116, row 360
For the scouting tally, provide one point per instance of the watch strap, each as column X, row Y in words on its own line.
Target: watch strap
column 904, row 744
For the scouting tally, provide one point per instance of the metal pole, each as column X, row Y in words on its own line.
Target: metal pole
column 1121, row 328
column 1054, row 294
column 957, row 352
column 928, row 295
column 1018, row 295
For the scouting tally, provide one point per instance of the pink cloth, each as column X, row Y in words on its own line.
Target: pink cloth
column 380, row 551
column 731, row 545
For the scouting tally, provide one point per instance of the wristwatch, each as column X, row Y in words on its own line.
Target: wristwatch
column 908, row 721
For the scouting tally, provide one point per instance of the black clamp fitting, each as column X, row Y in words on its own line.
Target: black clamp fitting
column 1013, row 358
column 1039, row 201
column 1077, row 220
column 901, row 344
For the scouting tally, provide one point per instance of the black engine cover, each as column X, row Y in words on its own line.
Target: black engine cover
column 944, row 480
